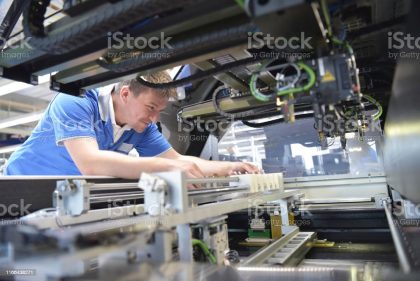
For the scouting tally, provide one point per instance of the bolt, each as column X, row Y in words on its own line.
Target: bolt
column 131, row 256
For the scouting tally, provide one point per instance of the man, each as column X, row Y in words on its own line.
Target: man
column 92, row 135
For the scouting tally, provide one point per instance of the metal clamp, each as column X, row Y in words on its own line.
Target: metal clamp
column 155, row 194
column 71, row 197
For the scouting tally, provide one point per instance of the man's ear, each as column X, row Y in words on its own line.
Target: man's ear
column 124, row 93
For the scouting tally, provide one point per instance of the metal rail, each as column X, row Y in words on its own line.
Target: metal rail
column 135, row 185
column 401, row 252
column 288, row 250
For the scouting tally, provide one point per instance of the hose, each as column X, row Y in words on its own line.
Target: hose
column 306, row 87
column 238, row 115
column 263, row 124
column 241, row 3
column 330, row 34
column 377, row 104
column 262, row 97
column 95, row 25
column 205, row 249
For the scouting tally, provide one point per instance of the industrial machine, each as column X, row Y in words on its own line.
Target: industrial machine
column 304, row 74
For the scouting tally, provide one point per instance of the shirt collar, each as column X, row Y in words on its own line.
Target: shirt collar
column 106, row 106
column 105, row 103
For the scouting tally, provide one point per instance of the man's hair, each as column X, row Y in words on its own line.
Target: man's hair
column 158, row 77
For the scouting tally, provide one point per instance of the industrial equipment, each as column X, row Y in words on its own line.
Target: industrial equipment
column 323, row 93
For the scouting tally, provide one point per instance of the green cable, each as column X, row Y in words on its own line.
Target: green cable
column 327, row 17
column 241, row 3
column 253, row 87
column 377, row 104
column 334, row 39
column 199, row 243
column 264, row 98
column 311, row 82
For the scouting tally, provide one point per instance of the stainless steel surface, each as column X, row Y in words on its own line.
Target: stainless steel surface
column 339, row 187
column 52, row 266
column 116, row 186
column 213, row 190
column 402, row 132
column 336, row 204
column 335, row 200
column 338, row 207
column 117, row 196
column 198, row 196
column 296, row 273
column 49, row 220
column 229, row 194
column 212, row 180
column 333, row 263
column 114, row 269
column 396, row 237
column 336, row 179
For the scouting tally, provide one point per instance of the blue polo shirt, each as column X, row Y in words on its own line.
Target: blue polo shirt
column 68, row 117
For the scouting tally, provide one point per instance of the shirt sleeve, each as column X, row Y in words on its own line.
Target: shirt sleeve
column 153, row 142
column 72, row 117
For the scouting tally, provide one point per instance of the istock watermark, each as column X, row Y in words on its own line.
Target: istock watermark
column 403, row 46
column 330, row 123
column 201, row 125
column 117, row 208
column 192, row 138
column 15, row 210
column 15, row 43
column 258, row 40
column 119, row 40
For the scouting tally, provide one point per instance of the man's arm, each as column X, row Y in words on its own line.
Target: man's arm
column 214, row 168
column 90, row 160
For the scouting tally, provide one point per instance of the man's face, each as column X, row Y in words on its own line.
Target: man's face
column 143, row 109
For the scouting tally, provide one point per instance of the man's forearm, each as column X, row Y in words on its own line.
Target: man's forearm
column 209, row 168
column 118, row 165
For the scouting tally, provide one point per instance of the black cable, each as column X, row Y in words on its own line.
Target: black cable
column 50, row 16
column 306, row 99
column 198, row 76
column 33, row 19
column 331, row 142
column 263, row 124
column 95, row 25
column 10, row 19
column 238, row 115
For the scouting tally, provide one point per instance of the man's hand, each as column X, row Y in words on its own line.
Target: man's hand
column 188, row 167
column 243, row 168
column 210, row 168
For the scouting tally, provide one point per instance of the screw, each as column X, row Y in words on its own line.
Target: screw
column 131, row 256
